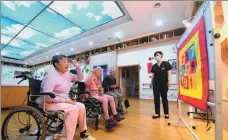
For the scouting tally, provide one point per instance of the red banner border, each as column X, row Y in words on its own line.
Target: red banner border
column 201, row 104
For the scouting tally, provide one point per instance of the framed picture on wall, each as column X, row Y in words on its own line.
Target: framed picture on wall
column 173, row 63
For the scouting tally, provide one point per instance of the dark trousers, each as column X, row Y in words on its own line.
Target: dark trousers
column 163, row 92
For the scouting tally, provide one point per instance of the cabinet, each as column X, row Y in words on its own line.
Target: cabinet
column 12, row 96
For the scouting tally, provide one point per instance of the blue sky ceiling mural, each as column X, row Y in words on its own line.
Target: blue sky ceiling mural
column 30, row 26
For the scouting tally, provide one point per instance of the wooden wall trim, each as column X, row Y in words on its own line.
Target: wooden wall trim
column 149, row 44
column 141, row 36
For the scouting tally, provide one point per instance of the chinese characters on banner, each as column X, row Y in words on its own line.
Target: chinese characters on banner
column 193, row 68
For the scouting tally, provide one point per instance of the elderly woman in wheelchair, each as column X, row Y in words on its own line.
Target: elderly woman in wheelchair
column 59, row 81
column 33, row 121
column 94, row 86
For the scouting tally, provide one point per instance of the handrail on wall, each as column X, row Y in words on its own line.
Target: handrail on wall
column 150, row 84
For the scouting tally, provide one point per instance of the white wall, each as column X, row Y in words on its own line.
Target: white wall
column 108, row 59
column 47, row 68
column 40, row 71
column 8, row 77
column 141, row 56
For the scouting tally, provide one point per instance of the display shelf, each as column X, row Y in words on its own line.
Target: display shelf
column 126, row 44
column 149, row 39
column 144, row 40
column 154, row 37
column 149, row 43
column 179, row 32
column 134, row 42
column 119, row 46
column 165, row 35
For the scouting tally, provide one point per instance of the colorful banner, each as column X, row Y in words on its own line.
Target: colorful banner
column 193, row 68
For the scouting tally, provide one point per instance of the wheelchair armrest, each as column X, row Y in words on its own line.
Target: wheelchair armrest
column 52, row 95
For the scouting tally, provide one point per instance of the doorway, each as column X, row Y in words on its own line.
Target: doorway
column 129, row 81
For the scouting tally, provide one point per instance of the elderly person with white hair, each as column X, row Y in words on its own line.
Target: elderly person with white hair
column 94, row 86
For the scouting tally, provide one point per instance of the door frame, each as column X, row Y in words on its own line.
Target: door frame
column 125, row 66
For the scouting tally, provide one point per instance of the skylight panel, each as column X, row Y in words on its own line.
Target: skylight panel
column 21, row 11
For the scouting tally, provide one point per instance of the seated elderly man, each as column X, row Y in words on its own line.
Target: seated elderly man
column 110, row 82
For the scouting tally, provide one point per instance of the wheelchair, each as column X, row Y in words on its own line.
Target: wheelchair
column 93, row 106
column 32, row 121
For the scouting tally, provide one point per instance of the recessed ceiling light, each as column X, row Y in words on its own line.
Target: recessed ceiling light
column 71, row 49
column 90, row 43
column 118, row 34
column 47, row 56
column 159, row 22
column 57, row 53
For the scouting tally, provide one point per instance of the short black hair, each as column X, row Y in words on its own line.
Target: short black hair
column 57, row 58
column 158, row 52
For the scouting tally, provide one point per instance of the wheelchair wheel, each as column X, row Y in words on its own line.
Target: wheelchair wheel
column 24, row 122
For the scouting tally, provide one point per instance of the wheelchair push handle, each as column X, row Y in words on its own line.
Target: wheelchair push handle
column 20, row 76
column 24, row 75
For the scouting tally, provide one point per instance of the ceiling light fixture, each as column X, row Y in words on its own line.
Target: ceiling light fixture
column 159, row 22
column 71, row 49
column 118, row 34
column 90, row 43
column 57, row 53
